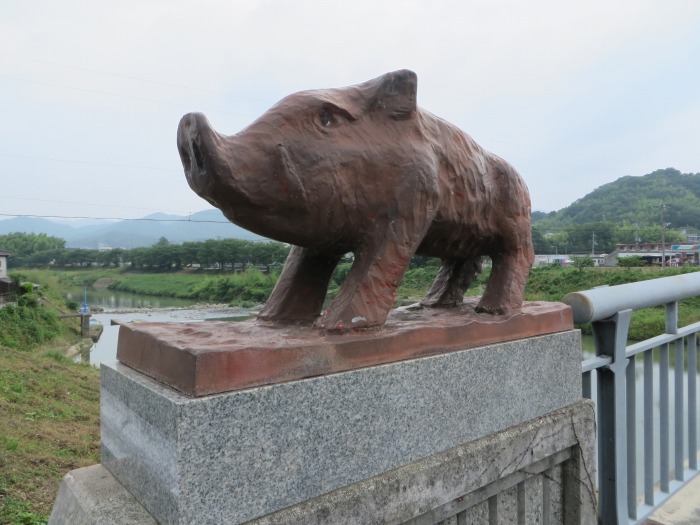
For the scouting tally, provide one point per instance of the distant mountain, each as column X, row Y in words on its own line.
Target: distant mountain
column 200, row 226
column 635, row 200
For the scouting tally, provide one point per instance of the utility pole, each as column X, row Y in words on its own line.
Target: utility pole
column 663, row 236
column 593, row 245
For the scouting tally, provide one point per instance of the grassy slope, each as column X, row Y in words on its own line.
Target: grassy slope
column 49, row 408
column 49, row 424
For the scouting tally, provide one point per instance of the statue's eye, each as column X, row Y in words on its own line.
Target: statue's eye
column 330, row 116
column 325, row 116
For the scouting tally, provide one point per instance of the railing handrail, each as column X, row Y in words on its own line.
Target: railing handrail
column 609, row 310
column 604, row 302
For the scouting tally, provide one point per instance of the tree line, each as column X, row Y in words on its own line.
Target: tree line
column 30, row 250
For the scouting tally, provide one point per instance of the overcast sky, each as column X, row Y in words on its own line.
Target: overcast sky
column 573, row 94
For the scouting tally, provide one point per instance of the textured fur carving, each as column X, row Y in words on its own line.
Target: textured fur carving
column 362, row 169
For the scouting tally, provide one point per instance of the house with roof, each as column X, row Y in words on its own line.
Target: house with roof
column 653, row 253
column 5, row 281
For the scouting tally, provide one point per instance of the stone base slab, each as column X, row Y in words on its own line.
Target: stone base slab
column 92, row 496
column 233, row 457
column 541, row 470
column 208, row 358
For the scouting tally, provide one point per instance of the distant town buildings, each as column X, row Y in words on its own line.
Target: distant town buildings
column 5, row 282
column 652, row 252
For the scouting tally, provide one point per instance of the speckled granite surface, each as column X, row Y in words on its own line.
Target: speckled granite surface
column 229, row 458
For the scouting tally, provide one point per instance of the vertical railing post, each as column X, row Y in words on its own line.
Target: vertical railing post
column 664, row 408
column 692, row 402
column 611, row 340
column 631, row 387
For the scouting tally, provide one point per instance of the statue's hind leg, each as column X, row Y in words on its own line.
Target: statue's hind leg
column 453, row 279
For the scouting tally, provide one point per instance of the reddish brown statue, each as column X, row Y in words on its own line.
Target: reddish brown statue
column 362, row 169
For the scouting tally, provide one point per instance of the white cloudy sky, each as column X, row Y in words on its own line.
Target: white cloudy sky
column 574, row 94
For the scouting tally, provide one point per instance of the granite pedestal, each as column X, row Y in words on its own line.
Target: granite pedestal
column 540, row 471
column 231, row 457
column 243, row 455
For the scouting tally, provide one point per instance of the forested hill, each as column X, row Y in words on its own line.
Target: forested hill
column 634, row 201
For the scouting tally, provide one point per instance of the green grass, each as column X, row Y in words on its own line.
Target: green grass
column 59, row 279
column 250, row 286
column 26, row 327
column 163, row 284
column 553, row 283
column 49, row 425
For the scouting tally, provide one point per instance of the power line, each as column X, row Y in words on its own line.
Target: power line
column 130, row 77
column 96, row 163
column 142, row 99
column 108, row 218
column 91, row 204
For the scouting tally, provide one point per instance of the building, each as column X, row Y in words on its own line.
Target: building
column 5, row 282
column 653, row 252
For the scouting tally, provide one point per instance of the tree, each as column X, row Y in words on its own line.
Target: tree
column 583, row 262
column 27, row 244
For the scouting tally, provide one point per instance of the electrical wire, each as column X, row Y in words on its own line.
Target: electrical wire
column 109, row 218
column 129, row 77
column 94, row 163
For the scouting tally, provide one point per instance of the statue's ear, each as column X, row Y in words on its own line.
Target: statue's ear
column 396, row 94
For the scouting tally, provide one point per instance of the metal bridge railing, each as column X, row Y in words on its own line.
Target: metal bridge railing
column 610, row 378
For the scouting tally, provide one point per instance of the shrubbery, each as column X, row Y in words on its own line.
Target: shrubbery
column 23, row 327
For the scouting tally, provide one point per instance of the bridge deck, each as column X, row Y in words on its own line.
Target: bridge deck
column 683, row 508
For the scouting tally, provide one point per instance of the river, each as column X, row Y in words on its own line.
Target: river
column 125, row 307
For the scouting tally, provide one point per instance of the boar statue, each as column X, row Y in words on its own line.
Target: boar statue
column 362, row 169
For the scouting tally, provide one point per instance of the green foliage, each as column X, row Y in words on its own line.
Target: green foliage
column 49, row 424
column 30, row 300
column 251, row 286
column 72, row 305
column 57, row 356
column 162, row 256
column 24, row 327
column 622, row 212
column 631, row 262
column 583, row 262
column 25, row 288
column 637, row 200
column 552, row 283
column 340, row 273
column 24, row 244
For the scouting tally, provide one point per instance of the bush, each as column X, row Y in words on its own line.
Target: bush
column 23, row 327
column 25, row 288
column 631, row 262
column 30, row 300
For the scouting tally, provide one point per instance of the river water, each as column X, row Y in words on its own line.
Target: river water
column 126, row 307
